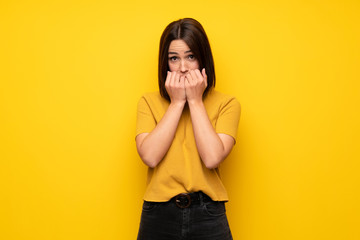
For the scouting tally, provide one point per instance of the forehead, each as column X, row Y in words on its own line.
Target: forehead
column 178, row 46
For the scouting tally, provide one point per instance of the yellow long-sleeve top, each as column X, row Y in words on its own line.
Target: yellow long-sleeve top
column 182, row 170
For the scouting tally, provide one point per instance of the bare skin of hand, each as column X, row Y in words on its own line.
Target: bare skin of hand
column 195, row 84
column 175, row 87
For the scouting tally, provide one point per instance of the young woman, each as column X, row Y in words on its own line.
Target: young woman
column 184, row 132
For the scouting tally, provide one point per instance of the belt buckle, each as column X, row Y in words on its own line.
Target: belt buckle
column 183, row 200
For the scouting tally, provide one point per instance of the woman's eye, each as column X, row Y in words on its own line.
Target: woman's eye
column 191, row 57
column 173, row 58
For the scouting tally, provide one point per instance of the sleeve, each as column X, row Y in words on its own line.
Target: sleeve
column 145, row 121
column 228, row 119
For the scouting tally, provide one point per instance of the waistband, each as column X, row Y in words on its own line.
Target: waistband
column 185, row 200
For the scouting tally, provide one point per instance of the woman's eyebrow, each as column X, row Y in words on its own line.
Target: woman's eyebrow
column 178, row 54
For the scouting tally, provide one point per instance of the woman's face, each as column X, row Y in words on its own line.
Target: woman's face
column 181, row 58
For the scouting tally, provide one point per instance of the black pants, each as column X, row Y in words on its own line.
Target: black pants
column 203, row 220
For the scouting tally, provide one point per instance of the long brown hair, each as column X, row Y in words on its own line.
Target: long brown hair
column 193, row 34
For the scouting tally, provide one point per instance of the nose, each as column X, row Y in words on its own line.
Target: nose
column 183, row 67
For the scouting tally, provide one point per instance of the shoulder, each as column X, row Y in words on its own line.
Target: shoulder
column 153, row 100
column 219, row 99
column 152, row 97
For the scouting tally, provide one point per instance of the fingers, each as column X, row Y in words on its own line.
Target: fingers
column 168, row 77
column 181, row 80
column 191, row 78
column 173, row 78
column 195, row 76
column 198, row 74
column 175, row 86
column 188, row 78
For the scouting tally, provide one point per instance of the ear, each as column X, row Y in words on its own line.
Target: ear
column 204, row 76
column 204, row 73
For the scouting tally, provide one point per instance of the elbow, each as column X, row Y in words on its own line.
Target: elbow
column 149, row 161
column 150, row 164
column 211, row 165
column 148, row 157
column 213, row 162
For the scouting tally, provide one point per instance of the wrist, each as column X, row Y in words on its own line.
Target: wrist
column 178, row 103
column 195, row 102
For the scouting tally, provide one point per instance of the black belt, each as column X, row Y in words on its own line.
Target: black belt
column 185, row 200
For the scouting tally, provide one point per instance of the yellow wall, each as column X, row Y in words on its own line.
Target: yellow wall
column 71, row 73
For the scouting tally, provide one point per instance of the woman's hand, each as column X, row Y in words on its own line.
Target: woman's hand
column 195, row 85
column 175, row 87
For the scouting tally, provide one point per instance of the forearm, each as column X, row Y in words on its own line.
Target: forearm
column 155, row 145
column 209, row 145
